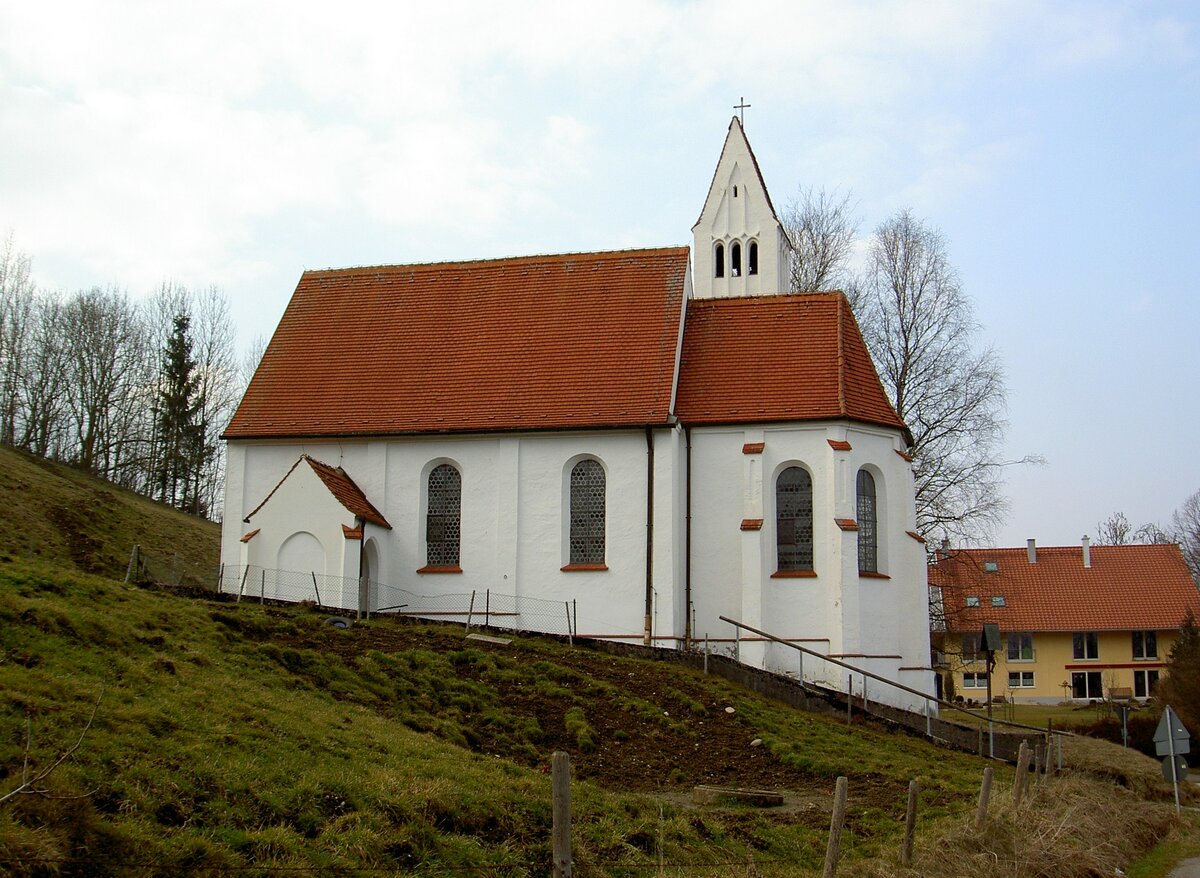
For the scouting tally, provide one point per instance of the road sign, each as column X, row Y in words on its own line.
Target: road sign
column 1180, row 772
column 1171, row 738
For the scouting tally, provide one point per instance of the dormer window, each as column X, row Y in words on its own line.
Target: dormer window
column 719, row 261
column 752, row 258
column 735, row 259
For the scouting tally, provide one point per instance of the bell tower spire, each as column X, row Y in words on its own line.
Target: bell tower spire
column 740, row 247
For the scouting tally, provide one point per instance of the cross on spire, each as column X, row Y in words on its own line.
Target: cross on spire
column 741, row 108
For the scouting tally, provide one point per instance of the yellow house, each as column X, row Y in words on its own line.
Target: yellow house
column 1076, row 623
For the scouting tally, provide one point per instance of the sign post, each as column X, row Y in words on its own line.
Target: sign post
column 1172, row 740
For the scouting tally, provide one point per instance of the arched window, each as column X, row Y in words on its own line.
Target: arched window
column 719, row 261
column 735, row 259
column 868, row 533
column 587, row 513
column 442, row 517
column 752, row 258
column 794, row 520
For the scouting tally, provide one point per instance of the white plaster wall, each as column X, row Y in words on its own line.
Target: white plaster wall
column 879, row 624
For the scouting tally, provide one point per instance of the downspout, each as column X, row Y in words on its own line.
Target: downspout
column 648, row 633
column 688, row 633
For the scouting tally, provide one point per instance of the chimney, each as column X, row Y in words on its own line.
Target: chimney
column 1031, row 550
column 1087, row 551
column 945, row 547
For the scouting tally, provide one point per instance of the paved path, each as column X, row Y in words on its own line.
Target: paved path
column 1186, row 869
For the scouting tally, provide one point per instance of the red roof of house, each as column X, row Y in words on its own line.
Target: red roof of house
column 542, row 342
column 1126, row 588
column 777, row 358
column 340, row 485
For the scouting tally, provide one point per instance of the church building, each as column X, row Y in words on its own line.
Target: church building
column 655, row 437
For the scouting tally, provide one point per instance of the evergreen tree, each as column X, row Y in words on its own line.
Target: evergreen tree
column 1181, row 686
column 181, row 439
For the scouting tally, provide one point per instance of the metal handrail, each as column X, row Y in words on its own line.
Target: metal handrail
column 892, row 683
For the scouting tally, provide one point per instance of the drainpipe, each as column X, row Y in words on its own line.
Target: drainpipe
column 688, row 633
column 648, row 632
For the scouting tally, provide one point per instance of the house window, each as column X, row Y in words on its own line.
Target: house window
column 442, row 518
column 1145, row 645
column 1085, row 645
column 868, row 546
column 971, row 650
column 1086, row 684
column 972, row 600
column 1020, row 647
column 1144, row 683
column 752, row 257
column 794, row 519
column 999, row 601
column 735, row 259
column 974, row 680
column 1020, row 679
column 587, row 512
column 719, row 260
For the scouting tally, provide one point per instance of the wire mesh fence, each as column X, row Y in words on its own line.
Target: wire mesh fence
column 481, row 608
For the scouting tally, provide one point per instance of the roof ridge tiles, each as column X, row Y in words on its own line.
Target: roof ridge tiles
column 531, row 259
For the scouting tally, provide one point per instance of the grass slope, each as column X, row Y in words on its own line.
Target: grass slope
column 59, row 515
column 242, row 739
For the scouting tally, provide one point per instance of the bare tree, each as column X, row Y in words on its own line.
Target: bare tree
column 43, row 383
column 1185, row 527
column 17, row 305
column 919, row 326
column 1116, row 530
column 219, row 390
column 822, row 228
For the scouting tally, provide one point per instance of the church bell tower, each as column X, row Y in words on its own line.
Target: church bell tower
column 739, row 245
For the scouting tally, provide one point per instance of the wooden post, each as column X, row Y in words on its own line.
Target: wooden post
column 849, row 698
column 221, row 579
column 1039, row 754
column 560, row 781
column 835, row 829
column 985, row 792
column 242, row 587
column 910, row 823
column 317, row 590
column 980, row 741
column 487, row 610
column 132, row 562
column 1022, row 773
column 471, row 610
column 706, row 652
column 570, row 636
column 262, row 588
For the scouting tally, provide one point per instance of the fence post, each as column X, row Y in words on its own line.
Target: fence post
column 242, row 587
column 221, row 579
column 928, row 719
column 849, row 698
column 835, row 829
column 471, row 610
column 910, row 823
column 1022, row 773
column 132, row 562
column 575, row 615
column 262, row 587
column 487, row 610
column 706, row 652
column 317, row 590
column 570, row 635
column 985, row 792
column 560, row 782
column 737, row 644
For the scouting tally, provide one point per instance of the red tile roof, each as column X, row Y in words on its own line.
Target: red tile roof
column 343, row 488
column 340, row 485
column 1126, row 588
column 792, row 357
column 542, row 342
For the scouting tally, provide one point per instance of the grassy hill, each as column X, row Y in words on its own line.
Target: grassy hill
column 59, row 515
column 204, row 737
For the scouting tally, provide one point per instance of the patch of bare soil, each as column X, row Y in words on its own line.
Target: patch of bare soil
column 654, row 729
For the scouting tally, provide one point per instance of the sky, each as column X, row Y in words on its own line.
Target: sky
column 1055, row 145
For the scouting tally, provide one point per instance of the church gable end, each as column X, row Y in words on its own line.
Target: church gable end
column 740, row 246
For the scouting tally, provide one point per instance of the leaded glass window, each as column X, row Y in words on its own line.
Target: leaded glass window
column 794, row 520
column 587, row 513
column 868, row 534
column 442, row 519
